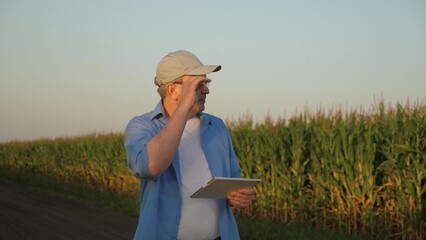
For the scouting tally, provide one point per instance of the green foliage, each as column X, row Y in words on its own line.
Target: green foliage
column 360, row 173
column 93, row 162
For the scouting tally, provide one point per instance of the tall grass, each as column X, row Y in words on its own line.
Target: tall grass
column 92, row 163
column 359, row 172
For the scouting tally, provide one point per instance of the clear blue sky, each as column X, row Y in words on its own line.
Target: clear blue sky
column 75, row 67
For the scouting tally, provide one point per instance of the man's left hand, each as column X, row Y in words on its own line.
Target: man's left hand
column 241, row 198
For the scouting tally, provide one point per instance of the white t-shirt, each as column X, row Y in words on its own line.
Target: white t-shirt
column 199, row 217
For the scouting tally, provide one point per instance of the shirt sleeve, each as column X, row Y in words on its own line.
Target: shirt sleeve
column 235, row 167
column 138, row 134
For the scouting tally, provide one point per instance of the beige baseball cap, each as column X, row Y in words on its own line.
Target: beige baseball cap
column 179, row 63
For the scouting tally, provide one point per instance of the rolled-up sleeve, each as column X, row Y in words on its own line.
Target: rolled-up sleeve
column 138, row 134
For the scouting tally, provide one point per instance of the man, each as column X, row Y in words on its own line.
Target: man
column 175, row 149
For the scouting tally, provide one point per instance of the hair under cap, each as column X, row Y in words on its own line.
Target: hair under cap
column 179, row 63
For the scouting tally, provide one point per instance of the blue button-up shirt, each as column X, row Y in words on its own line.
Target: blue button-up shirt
column 160, row 198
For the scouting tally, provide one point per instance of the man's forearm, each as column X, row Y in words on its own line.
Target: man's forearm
column 162, row 148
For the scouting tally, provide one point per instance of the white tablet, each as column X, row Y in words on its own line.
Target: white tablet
column 219, row 187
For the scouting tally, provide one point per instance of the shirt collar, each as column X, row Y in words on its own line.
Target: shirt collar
column 158, row 111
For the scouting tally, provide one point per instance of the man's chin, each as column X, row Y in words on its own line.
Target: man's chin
column 198, row 108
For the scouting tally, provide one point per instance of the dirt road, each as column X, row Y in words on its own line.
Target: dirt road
column 30, row 214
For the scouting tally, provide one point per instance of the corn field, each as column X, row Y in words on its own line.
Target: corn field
column 361, row 172
column 364, row 173
column 96, row 162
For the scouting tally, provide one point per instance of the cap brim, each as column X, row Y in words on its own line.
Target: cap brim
column 205, row 70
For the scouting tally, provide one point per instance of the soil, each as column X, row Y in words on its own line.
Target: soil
column 28, row 213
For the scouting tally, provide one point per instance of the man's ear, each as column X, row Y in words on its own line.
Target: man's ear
column 172, row 91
